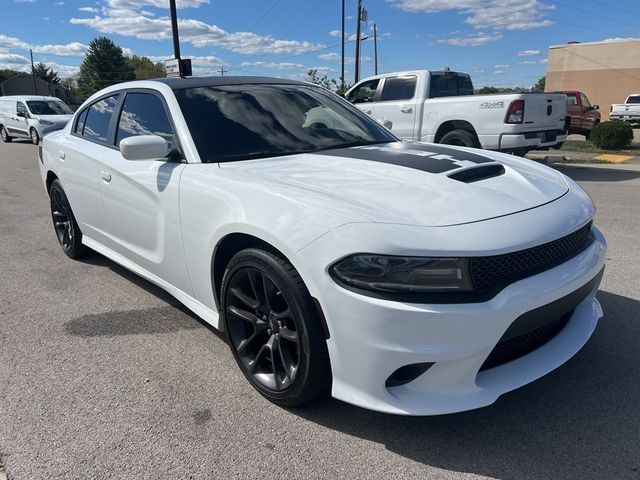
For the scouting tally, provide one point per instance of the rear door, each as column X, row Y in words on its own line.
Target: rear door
column 573, row 112
column 396, row 106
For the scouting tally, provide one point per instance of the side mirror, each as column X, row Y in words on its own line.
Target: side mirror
column 21, row 114
column 388, row 124
column 144, row 147
column 596, row 107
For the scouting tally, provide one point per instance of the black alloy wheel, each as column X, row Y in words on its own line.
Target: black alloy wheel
column 64, row 223
column 5, row 136
column 35, row 138
column 273, row 328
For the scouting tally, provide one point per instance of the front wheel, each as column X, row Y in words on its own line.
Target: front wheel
column 274, row 329
column 5, row 135
column 461, row 138
column 64, row 223
column 35, row 138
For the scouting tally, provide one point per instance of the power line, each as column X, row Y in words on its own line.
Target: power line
column 596, row 14
column 617, row 8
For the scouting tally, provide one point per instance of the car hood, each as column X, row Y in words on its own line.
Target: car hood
column 55, row 118
column 408, row 182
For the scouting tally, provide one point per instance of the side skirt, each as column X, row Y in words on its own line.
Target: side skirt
column 204, row 312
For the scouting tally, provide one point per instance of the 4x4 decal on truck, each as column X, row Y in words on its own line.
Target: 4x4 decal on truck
column 486, row 105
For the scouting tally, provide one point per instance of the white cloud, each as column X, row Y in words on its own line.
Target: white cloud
column 58, row 4
column 619, row 39
column 156, row 3
column 13, row 59
column 484, row 14
column 501, row 66
column 499, row 72
column 528, row 62
column 11, row 43
column 25, row 1
column 89, row 9
column 74, row 49
column 335, row 33
column 546, row 60
column 278, row 65
column 472, row 40
column 197, row 33
column 334, row 57
column 529, row 53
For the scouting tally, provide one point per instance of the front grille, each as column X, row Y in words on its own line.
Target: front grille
column 513, row 348
column 500, row 270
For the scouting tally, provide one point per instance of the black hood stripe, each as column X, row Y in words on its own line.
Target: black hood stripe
column 427, row 158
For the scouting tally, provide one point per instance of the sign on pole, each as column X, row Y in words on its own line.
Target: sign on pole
column 172, row 67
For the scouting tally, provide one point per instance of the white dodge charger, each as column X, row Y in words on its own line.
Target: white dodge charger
column 404, row 277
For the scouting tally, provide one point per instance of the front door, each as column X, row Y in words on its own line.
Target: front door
column 397, row 105
column 141, row 197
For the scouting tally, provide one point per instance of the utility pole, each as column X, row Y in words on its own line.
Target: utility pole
column 33, row 73
column 357, row 63
column 223, row 71
column 174, row 29
column 342, row 69
column 375, row 47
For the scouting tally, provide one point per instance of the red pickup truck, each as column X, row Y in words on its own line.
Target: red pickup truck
column 582, row 116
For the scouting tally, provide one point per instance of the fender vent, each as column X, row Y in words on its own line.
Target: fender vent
column 481, row 172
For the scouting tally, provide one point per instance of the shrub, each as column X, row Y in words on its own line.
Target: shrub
column 614, row 135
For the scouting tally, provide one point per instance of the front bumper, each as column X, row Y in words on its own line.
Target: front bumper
column 531, row 140
column 371, row 338
column 626, row 118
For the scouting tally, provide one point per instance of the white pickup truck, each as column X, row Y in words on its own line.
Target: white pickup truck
column 628, row 111
column 440, row 107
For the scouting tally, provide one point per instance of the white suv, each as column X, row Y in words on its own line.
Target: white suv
column 31, row 116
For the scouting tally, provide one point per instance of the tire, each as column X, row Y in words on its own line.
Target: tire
column 267, row 308
column 461, row 138
column 558, row 146
column 35, row 138
column 522, row 152
column 5, row 135
column 64, row 223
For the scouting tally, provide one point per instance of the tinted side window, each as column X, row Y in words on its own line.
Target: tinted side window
column 585, row 101
column 465, row 86
column 365, row 92
column 20, row 108
column 572, row 100
column 96, row 125
column 448, row 84
column 82, row 117
column 399, row 88
column 144, row 114
column 633, row 99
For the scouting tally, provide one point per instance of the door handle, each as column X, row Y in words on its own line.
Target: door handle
column 106, row 176
column 61, row 155
column 406, row 109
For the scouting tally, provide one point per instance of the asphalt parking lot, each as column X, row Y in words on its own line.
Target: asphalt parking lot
column 102, row 375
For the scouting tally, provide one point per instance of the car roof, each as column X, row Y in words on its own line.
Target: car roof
column 29, row 97
column 177, row 83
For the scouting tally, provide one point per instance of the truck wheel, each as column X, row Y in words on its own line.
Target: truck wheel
column 461, row 138
column 35, row 138
column 558, row 146
column 5, row 136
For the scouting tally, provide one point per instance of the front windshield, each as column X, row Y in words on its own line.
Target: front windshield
column 48, row 107
column 239, row 122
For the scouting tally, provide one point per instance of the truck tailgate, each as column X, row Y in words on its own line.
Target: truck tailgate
column 544, row 111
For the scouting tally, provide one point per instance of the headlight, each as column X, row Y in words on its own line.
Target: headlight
column 403, row 274
column 45, row 122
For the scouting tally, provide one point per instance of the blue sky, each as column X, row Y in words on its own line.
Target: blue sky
column 500, row 42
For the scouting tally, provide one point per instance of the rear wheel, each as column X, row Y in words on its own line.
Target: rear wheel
column 35, row 138
column 461, row 138
column 5, row 135
column 273, row 327
column 64, row 223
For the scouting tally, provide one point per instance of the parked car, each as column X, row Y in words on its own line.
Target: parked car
column 31, row 116
column 582, row 116
column 628, row 111
column 440, row 107
column 405, row 277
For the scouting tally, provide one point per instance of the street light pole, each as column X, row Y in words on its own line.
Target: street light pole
column 342, row 69
column 375, row 46
column 357, row 59
column 174, row 29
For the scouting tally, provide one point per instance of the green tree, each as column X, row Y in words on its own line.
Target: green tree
column 70, row 85
column 103, row 65
column 539, row 86
column 144, row 68
column 487, row 90
column 6, row 74
column 314, row 77
column 45, row 73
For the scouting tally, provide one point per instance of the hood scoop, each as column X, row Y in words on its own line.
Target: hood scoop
column 475, row 174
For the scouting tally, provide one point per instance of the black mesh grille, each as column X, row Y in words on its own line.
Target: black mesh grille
column 490, row 272
column 508, row 350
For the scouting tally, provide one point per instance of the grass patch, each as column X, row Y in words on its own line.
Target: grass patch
column 588, row 147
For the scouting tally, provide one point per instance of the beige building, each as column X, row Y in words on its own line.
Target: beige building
column 607, row 72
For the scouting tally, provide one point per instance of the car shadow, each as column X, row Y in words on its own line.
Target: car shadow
column 153, row 320
column 580, row 421
column 590, row 174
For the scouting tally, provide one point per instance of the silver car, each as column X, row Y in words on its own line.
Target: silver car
column 31, row 116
